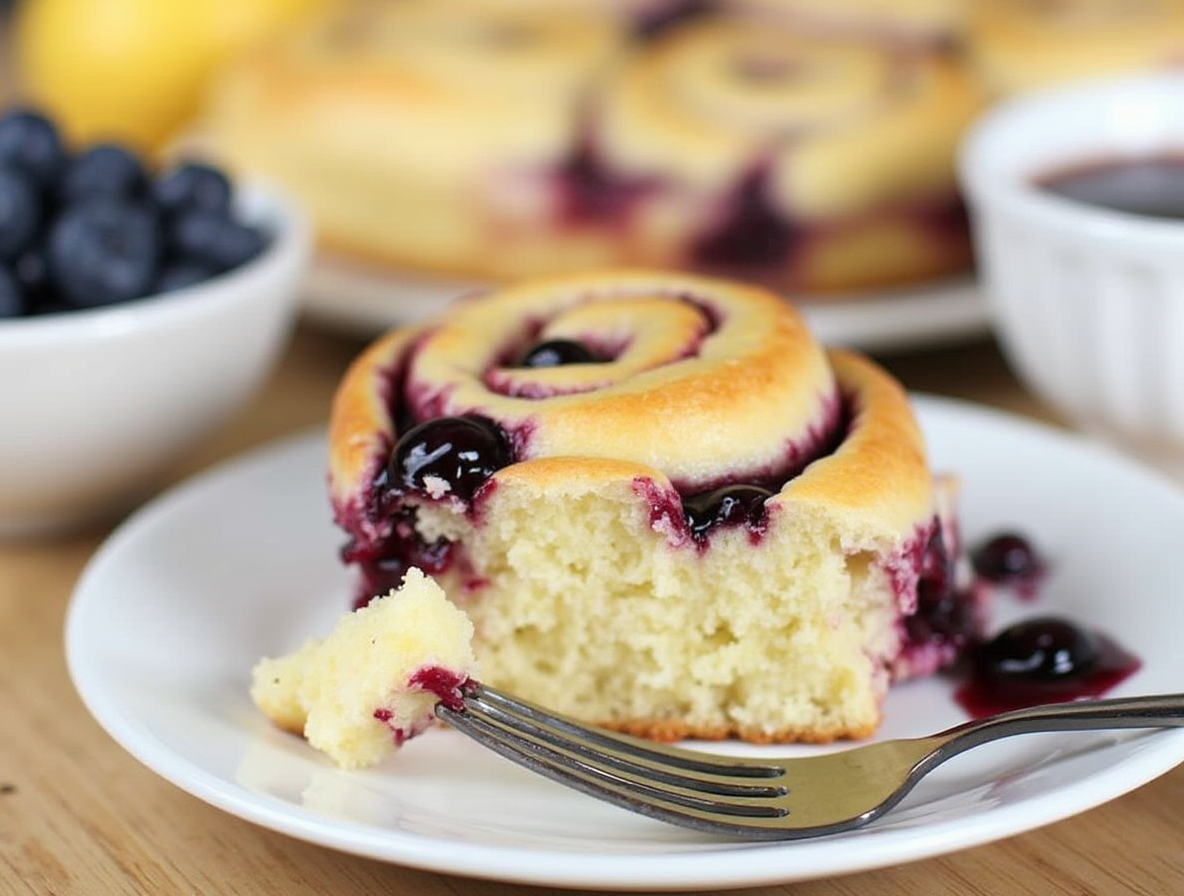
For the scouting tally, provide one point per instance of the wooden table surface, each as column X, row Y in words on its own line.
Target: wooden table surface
column 79, row 815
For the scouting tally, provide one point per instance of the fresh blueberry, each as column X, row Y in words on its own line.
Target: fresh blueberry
column 20, row 212
column 453, row 455
column 29, row 141
column 31, row 269
column 556, row 352
column 12, row 300
column 102, row 252
column 179, row 274
column 105, row 170
column 729, row 505
column 193, row 187
column 214, row 240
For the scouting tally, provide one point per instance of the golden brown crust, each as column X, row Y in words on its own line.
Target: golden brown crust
column 361, row 429
column 698, row 361
column 878, row 480
column 670, row 408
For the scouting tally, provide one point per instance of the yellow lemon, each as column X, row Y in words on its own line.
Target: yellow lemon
column 132, row 70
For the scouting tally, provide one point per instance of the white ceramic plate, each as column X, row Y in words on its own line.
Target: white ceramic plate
column 365, row 301
column 175, row 608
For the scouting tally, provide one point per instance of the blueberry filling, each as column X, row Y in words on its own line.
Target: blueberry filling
column 589, row 191
column 384, row 562
column 558, row 352
column 945, row 616
column 753, row 233
column 448, row 455
column 444, row 683
column 670, row 15
column 730, row 505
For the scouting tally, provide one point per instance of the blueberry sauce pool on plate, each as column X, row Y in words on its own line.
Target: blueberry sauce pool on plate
column 1043, row 660
column 1151, row 187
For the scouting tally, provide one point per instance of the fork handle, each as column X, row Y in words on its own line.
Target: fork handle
column 1153, row 711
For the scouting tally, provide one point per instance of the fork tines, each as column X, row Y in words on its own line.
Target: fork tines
column 712, row 793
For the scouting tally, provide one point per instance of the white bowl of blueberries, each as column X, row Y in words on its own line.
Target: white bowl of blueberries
column 139, row 309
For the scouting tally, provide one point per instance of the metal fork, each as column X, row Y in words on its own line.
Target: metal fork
column 762, row 798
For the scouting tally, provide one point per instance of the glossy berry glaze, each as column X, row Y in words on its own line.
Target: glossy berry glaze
column 448, row 456
column 446, row 684
column 1043, row 660
column 729, row 505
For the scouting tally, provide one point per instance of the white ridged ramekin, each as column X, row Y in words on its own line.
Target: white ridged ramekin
column 1087, row 303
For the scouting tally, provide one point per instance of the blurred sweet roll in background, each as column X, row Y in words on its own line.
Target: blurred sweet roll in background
column 495, row 140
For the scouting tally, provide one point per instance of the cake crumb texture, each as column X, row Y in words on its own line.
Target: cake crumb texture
column 354, row 694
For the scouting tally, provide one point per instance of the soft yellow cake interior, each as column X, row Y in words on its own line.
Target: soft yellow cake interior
column 331, row 689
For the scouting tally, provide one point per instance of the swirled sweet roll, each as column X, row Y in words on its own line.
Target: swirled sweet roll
column 666, row 508
column 1018, row 45
column 807, row 162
